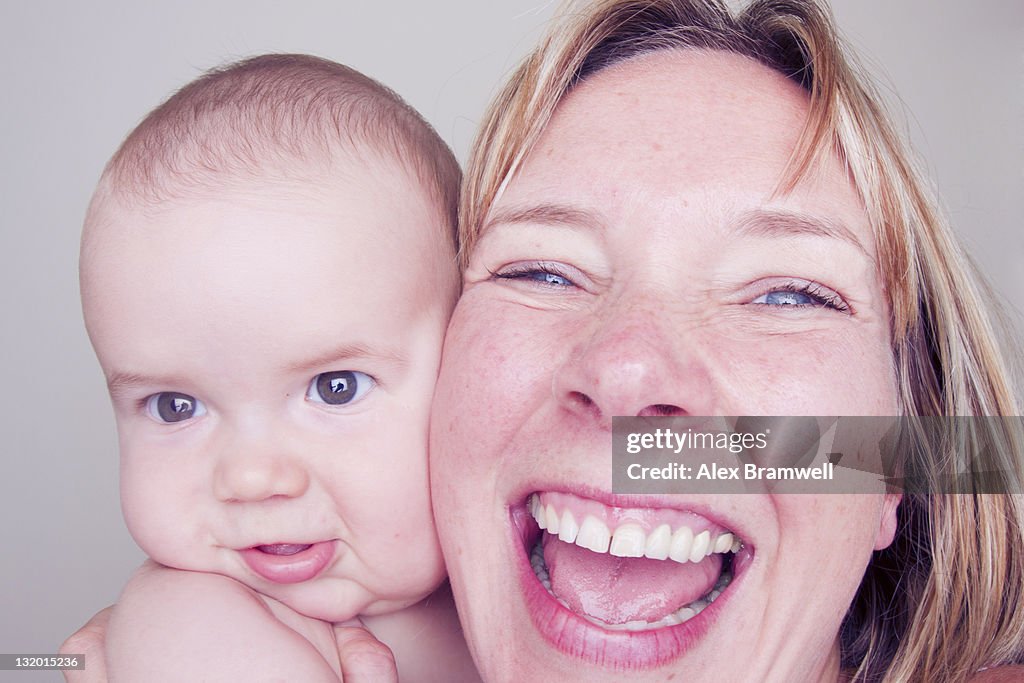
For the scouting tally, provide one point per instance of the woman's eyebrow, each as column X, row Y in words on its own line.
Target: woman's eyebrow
column 779, row 223
column 550, row 214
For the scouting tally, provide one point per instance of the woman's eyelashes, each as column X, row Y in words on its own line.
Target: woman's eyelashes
column 169, row 407
column 540, row 273
column 797, row 293
column 339, row 387
column 801, row 294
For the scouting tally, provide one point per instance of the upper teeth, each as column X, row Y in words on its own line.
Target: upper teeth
column 629, row 539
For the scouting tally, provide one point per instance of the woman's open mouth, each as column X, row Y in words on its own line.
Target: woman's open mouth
column 631, row 587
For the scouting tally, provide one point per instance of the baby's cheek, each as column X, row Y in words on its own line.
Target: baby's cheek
column 144, row 516
column 157, row 512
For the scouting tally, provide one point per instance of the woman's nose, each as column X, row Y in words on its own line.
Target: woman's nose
column 639, row 362
column 254, row 467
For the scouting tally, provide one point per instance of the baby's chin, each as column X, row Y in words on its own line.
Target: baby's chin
column 337, row 599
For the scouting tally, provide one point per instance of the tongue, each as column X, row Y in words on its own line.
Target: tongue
column 283, row 548
column 621, row 589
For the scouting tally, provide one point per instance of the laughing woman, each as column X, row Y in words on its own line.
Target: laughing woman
column 673, row 209
column 677, row 210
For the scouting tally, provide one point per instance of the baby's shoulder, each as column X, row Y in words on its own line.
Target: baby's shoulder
column 171, row 624
column 166, row 587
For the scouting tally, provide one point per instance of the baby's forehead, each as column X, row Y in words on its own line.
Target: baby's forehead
column 326, row 186
column 359, row 207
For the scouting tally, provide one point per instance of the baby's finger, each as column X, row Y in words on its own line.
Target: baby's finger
column 364, row 659
column 89, row 641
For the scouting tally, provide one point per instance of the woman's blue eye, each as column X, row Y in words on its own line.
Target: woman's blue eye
column 803, row 294
column 550, row 278
column 170, row 406
column 339, row 387
column 543, row 274
column 785, row 298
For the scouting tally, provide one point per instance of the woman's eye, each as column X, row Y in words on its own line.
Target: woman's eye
column 339, row 387
column 803, row 295
column 170, row 406
column 786, row 299
column 544, row 274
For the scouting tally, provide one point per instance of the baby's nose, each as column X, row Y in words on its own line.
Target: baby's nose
column 242, row 476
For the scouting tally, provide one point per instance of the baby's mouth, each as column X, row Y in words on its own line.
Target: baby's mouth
column 635, row 569
column 289, row 562
column 283, row 548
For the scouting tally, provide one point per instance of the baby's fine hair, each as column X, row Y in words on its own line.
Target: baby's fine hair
column 267, row 115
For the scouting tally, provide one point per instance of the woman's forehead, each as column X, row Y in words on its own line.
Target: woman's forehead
column 673, row 127
column 687, row 99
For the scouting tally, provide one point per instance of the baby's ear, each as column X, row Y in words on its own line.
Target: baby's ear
column 887, row 520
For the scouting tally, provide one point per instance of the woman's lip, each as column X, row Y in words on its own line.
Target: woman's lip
column 294, row 568
column 577, row 637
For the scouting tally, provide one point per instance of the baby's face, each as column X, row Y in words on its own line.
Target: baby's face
column 271, row 355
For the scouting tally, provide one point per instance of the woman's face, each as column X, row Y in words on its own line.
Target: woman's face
column 642, row 264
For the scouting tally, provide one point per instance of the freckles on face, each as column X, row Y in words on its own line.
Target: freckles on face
column 509, row 364
column 642, row 262
column 803, row 375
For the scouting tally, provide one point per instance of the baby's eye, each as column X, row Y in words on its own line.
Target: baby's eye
column 803, row 295
column 339, row 387
column 170, row 406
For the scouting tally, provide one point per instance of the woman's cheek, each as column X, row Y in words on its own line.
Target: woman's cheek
column 817, row 373
column 497, row 370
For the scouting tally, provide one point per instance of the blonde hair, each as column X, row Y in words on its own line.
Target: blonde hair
column 940, row 603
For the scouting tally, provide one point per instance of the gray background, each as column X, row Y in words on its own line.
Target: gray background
column 78, row 76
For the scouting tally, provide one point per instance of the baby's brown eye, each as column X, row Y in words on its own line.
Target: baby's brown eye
column 339, row 387
column 171, row 406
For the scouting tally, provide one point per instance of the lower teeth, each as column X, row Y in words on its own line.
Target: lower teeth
column 681, row 615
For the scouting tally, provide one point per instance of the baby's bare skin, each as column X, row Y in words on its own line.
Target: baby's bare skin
column 270, row 330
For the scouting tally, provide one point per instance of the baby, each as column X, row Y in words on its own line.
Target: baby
column 267, row 271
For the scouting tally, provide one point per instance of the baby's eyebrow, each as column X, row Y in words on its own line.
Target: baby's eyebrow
column 120, row 382
column 347, row 352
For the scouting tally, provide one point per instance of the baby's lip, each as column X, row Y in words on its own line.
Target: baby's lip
column 289, row 562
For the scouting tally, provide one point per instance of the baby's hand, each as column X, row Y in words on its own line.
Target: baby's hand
column 89, row 641
column 363, row 658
